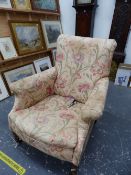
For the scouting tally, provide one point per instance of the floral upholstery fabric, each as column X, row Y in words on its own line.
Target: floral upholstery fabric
column 54, row 110
column 97, row 97
column 80, row 63
column 49, row 121
column 52, row 122
column 33, row 89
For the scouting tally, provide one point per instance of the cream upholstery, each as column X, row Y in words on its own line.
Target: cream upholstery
column 53, row 110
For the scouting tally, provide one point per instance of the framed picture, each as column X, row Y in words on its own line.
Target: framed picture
column 46, row 5
column 52, row 30
column 19, row 73
column 7, row 48
column 27, row 36
column 54, row 56
column 5, row 4
column 129, row 83
column 3, row 91
column 22, row 4
column 123, row 75
column 42, row 64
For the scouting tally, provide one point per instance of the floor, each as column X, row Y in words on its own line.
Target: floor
column 108, row 151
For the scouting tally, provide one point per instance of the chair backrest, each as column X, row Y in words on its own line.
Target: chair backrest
column 80, row 63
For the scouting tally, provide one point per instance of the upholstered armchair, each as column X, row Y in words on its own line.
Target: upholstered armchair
column 54, row 111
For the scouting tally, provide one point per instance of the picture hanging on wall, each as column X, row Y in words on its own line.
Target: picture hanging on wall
column 46, row 5
column 7, row 48
column 19, row 73
column 27, row 36
column 3, row 91
column 51, row 30
column 123, row 75
column 42, row 64
column 22, row 4
column 5, row 4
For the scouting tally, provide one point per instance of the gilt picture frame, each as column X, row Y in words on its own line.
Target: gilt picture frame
column 46, row 5
column 42, row 64
column 3, row 91
column 22, row 4
column 18, row 73
column 7, row 48
column 51, row 30
column 27, row 36
column 5, row 4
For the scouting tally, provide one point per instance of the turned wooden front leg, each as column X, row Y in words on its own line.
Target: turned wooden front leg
column 73, row 170
column 16, row 138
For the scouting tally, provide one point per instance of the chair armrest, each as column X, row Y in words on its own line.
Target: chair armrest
column 33, row 89
column 94, row 106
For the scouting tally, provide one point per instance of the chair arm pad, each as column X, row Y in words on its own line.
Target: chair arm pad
column 33, row 89
column 94, row 106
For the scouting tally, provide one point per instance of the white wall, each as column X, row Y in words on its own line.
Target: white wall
column 102, row 25
column 68, row 16
column 103, row 18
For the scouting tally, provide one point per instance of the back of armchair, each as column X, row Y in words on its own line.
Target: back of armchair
column 80, row 63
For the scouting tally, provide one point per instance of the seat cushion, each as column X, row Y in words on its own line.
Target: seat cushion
column 50, row 121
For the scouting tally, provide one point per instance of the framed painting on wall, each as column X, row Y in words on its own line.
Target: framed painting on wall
column 7, row 48
column 42, row 64
column 18, row 73
column 51, row 30
column 3, row 91
column 27, row 36
column 46, row 5
column 5, row 4
column 22, row 4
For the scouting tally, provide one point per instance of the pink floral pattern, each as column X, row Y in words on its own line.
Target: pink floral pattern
column 60, row 57
column 31, row 90
column 43, row 115
column 84, row 61
column 84, row 87
column 61, row 82
column 97, row 97
column 78, row 58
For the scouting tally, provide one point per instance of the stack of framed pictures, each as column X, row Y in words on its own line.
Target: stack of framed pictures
column 27, row 37
column 123, row 76
column 30, row 36
column 44, row 5
column 3, row 91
